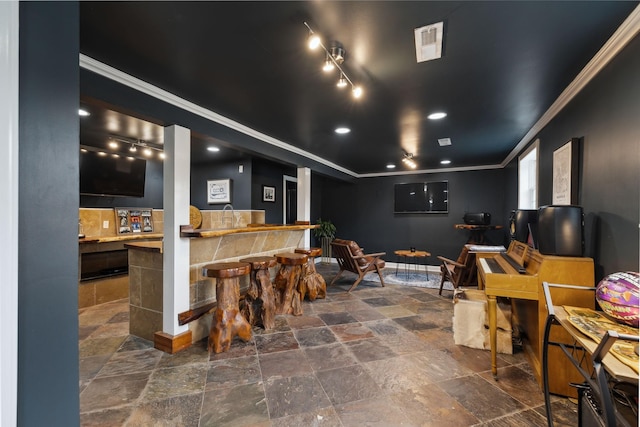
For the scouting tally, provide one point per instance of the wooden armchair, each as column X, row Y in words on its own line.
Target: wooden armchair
column 460, row 272
column 351, row 258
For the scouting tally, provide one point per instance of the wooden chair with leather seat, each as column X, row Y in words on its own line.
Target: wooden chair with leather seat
column 460, row 272
column 350, row 257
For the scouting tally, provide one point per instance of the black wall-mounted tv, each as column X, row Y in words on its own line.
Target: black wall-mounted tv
column 421, row 197
column 107, row 175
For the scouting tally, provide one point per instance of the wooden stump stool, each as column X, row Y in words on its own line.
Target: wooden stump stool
column 288, row 299
column 259, row 306
column 227, row 321
column 312, row 283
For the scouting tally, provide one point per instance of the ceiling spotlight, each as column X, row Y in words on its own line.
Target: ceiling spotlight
column 437, row 116
column 161, row 155
column 445, row 162
column 342, row 130
column 213, row 149
column 133, row 148
column 328, row 64
column 391, row 166
column 83, row 113
column 147, row 152
column 113, row 144
column 313, row 40
column 357, row 92
column 342, row 82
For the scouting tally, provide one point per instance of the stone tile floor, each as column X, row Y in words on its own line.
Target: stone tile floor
column 373, row 357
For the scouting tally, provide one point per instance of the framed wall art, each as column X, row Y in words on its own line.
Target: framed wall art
column 268, row 193
column 566, row 165
column 134, row 220
column 218, row 191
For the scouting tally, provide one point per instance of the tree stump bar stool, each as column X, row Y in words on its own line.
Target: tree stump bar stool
column 288, row 300
column 227, row 321
column 259, row 306
column 311, row 283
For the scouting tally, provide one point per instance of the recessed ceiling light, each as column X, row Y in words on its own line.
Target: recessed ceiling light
column 391, row 166
column 444, row 141
column 113, row 144
column 437, row 116
column 83, row 113
column 445, row 162
column 342, row 130
column 214, row 149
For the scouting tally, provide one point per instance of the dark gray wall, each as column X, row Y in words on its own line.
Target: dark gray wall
column 152, row 193
column 240, row 184
column 269, row 173
column 363, row 211
column 48, row 207
column 606, row 117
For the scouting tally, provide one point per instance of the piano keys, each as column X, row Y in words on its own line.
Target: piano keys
column 528, row 304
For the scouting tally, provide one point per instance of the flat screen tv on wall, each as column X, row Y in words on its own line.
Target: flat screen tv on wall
column 421, row 197
column 107, row 175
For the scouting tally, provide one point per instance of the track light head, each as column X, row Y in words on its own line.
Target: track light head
column 342, row 81
column 313, row 40
column 328, row 64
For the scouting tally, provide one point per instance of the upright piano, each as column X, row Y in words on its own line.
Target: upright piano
column 518, row 274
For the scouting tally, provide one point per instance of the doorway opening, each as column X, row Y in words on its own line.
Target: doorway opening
column 290, row 199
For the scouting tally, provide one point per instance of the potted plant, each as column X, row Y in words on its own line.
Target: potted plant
column 326, row 232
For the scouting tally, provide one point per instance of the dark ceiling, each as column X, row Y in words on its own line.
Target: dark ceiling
column 503, row 65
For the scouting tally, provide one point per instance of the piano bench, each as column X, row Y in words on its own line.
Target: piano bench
column 471, row 322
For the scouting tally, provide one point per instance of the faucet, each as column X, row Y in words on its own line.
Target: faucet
column 233, row 216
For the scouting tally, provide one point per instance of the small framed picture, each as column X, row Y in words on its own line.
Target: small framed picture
column 268, row 193
column 219, row 191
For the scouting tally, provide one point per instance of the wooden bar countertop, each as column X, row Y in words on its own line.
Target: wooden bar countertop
column 120, row 238
column 188, row 231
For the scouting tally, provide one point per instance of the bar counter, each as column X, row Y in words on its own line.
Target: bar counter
column 206, row 246
column 187, row 231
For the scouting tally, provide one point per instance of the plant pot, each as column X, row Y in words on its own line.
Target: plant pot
column 326, row 250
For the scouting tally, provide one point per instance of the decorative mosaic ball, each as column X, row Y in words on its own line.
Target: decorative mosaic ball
column 617, row 295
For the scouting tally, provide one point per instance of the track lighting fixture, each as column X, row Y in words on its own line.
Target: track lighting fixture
column 407, row 159
column 334, row 57
column 134, row 144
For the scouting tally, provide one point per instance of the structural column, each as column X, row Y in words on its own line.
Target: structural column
column 303, row 201
column 176, row 200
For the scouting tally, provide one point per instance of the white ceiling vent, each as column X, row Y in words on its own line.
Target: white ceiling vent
column 444, row 141
column 429, row 42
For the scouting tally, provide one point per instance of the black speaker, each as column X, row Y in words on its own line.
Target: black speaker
column 479, row 218
column 519, row 224
column 561, row 230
